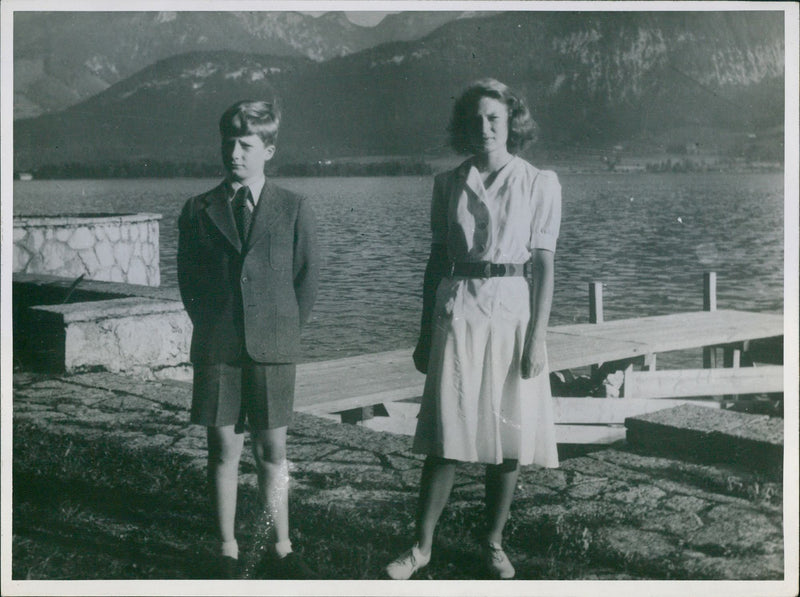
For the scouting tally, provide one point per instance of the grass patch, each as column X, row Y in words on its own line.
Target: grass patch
column 88, row 509
column 100, row 510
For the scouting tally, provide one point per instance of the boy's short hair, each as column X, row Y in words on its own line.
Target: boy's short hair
column 522, row 129
column 252, row 117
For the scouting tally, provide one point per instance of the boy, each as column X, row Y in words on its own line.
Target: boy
column 248, row 269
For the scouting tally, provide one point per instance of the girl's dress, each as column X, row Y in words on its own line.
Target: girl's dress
column 476, row 407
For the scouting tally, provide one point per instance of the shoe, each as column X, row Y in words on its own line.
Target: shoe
column 407, row 564
column 227, row 568
column 497, row 561
column 290, row 567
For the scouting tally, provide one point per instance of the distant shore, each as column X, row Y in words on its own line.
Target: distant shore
column 399, row 166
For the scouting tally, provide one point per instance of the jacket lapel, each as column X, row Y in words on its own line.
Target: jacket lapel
column 267, row 209
column 219, row 212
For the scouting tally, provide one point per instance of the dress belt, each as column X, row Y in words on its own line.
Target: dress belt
column 486, row 269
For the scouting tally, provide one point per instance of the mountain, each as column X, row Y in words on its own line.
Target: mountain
column 61, row 58
column 592, row 79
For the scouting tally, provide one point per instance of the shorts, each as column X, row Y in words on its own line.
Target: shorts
column 261, row 395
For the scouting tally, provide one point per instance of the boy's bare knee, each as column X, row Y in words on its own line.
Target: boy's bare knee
column 269, row 447
column 224, row 445
column 268, row 454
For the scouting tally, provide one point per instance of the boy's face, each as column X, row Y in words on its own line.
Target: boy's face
column 244, row 157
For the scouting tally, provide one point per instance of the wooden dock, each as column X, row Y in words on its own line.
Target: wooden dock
column 365, row 380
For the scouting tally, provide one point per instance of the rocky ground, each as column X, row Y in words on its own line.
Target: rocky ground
column 610, row 513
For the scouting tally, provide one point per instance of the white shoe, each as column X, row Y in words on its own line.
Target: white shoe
column 407, row 564
column 497, row 561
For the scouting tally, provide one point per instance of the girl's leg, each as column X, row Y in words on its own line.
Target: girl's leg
column 269, row 450
column 438, row 475
column 501, row 480
column 224, row 452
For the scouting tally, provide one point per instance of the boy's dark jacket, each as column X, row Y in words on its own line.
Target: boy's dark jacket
column 255, row 297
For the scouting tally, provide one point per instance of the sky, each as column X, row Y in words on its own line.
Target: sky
column 365, row 18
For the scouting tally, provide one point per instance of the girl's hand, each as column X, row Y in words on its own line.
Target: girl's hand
column 534, row 357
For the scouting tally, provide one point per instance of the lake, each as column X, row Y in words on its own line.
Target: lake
column 648, row 237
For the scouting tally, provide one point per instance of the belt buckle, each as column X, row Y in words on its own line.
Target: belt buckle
column 487, row 270
column 451, row 270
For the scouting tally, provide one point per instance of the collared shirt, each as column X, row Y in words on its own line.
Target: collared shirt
column 255, row 188
column 518, row 212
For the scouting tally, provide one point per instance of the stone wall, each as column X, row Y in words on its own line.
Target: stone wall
column 108, row 247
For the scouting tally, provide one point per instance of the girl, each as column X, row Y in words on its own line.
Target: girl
column 486, row 303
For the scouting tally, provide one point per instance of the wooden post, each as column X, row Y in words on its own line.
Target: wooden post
column 731, row 357
column 709, row 304
column 595, row 302
column 595, row 312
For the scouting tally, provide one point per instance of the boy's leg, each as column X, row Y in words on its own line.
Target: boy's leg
column 224, row 453
column 269, row 450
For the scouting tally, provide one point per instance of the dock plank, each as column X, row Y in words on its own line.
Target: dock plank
column 608, row 411
column 703, row 382
column 363, row 380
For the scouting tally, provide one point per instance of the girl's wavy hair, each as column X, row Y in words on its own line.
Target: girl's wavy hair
column 252, row 117
column 522, row 129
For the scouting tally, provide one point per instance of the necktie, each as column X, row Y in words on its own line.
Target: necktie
column 243, row 211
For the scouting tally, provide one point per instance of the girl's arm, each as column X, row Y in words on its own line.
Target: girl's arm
column 435, row 270
column 541, row 297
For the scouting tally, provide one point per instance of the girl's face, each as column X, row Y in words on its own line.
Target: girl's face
column 488, row 127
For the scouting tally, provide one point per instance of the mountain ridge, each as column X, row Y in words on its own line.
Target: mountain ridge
column 593, row 80
column 63, row 58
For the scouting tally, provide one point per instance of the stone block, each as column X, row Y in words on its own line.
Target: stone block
column 36, row 239
column 22, row 258
column 769, row 430
column 133, row 335
column 646, row 495
column 711, row 436
column 677, row 524
column 54, row 256
column 729, row 529
column 685, row 503
column 587, row 488
column 122, row 255
column 81, row 238
column 89, row 259
column 634, row 544
column 105, row 254
column 137, row 273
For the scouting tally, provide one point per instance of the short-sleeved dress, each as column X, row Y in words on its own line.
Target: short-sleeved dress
column 476, row 407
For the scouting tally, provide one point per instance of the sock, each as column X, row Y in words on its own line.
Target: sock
column 230, row 549
column 283, row 548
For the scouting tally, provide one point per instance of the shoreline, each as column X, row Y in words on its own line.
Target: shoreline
column 401, row 166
